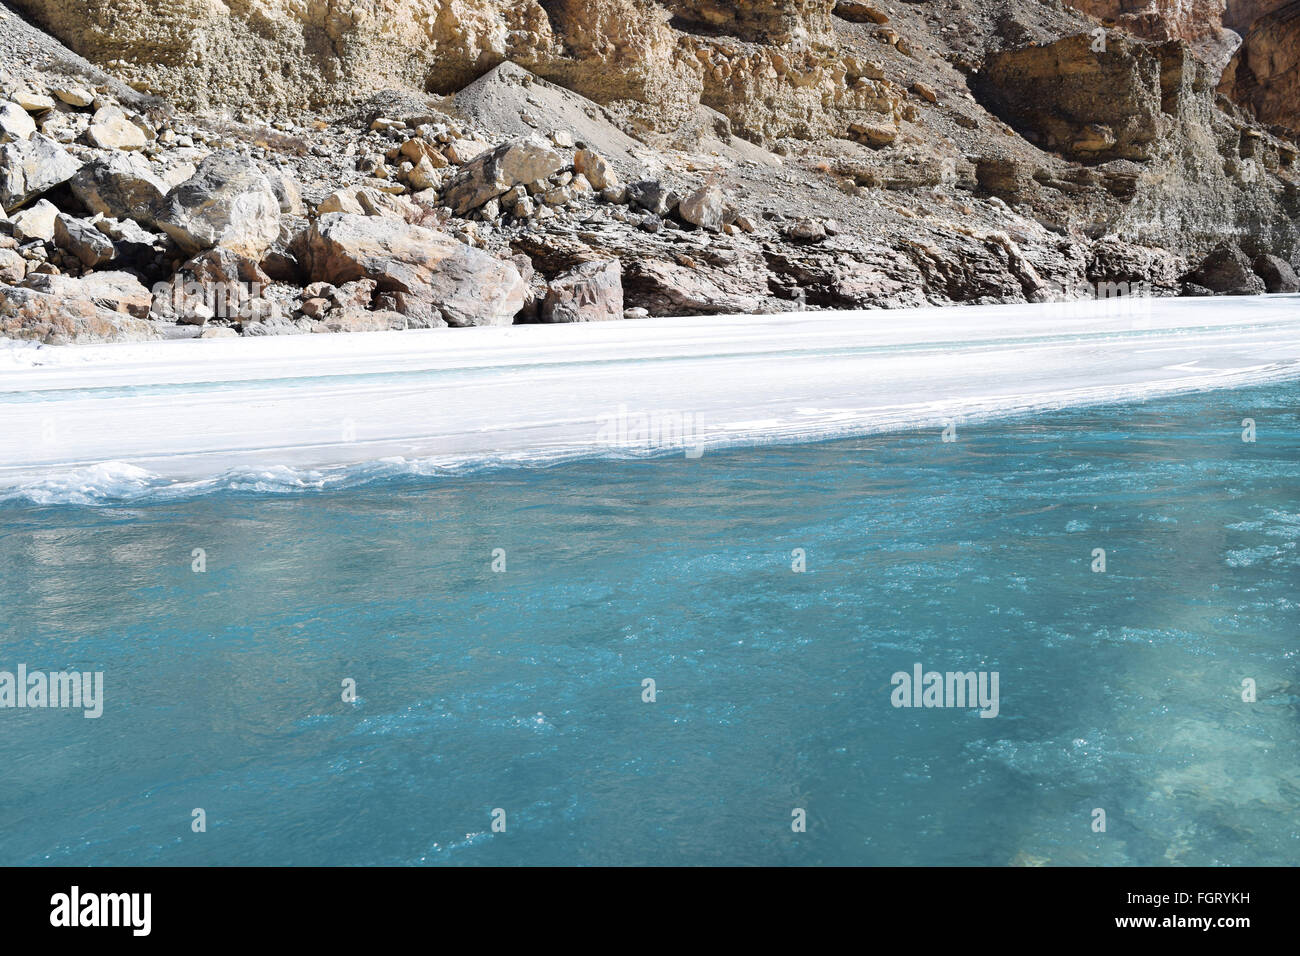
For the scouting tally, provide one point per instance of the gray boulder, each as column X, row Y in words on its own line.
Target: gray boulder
column 1227, row 271
column 81, row 239
column 1277, row 274
column 29, row 167
column 590, row 292
column 704, row 208
column 122, row 186
column 227, row 202
column 652, row 196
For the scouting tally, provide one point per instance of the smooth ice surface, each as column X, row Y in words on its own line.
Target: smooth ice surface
column 123, row 420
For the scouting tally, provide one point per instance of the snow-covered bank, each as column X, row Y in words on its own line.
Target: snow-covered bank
column 296, row 410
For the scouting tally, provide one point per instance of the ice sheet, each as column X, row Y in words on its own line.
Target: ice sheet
column 126, row 419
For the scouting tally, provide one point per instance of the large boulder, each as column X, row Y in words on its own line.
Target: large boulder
column 35, row 222
column 58, row 319
column 227, row 202
column 1228, row 271
column 122, row 186
column 590, row 292
column 29, row 167
column 114, row 291
column 83, row 240
column 496, row 172
column 1277, row 274
column 15, row 123
column 430, row 269
column 111, row 129
column 705, row 207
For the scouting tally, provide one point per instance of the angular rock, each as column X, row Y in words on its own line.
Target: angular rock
column 15, row 123
column 361, row 200
column 33, row 102
column 36, row 221
column 122, row 186
column 468, row 286
column 590, row 292
column 81, row 239
column 495, row 172
column 110, row 129
column 652, row 196
column 13, row 267
column 32, row 166
column 595, row 167
column 704, row 208
column 62, row 319
column 77, row 96
column 227, row 202
column 287, row 193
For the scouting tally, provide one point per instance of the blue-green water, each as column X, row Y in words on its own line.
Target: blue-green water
column 522, row 689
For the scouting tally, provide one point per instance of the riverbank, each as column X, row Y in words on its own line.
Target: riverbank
column 309, row 409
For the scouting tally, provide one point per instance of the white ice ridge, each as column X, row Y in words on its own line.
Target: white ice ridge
column 295, row 407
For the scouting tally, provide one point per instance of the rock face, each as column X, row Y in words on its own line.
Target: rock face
column 1265, row 72
column 654, row 60
column 227, row 202
column 1254, row 44
column 1163, row 164
column 422, row 268
column 1076, row 103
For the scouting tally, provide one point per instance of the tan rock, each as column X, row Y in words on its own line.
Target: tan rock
column 114, row 291
column 15, row 123
column 36, row 221
column 77, row 96
column 595, row 167
column 493, row 173
column 430, row 268
column 110, row 129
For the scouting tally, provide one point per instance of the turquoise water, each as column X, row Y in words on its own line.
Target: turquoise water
column 522, row 689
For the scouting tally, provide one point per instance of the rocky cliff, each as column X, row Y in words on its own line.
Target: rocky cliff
column 415, row 163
